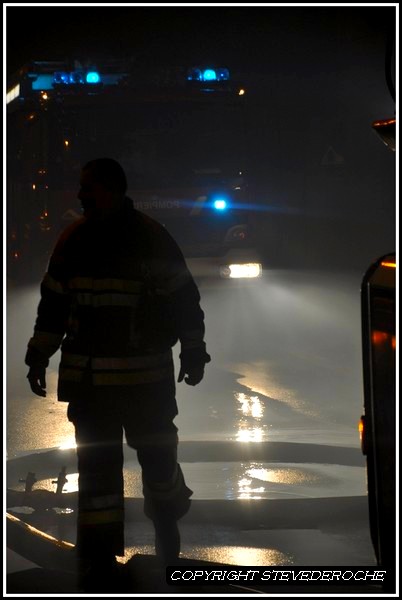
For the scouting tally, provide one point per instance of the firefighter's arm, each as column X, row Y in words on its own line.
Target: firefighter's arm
column 190, row 320
column 189, row 317
column 50, row 325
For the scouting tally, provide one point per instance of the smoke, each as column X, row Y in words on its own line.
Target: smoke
column 287, row 344
column 293, row 341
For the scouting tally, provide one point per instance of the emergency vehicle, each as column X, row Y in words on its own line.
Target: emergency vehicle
column 378, row 423
column 179, row 133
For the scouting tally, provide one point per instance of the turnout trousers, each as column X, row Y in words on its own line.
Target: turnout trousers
column 101, row 415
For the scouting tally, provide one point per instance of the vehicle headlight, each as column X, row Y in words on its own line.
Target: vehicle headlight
column 241, row 271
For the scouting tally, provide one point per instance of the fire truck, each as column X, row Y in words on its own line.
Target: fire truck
column 378, row 424
column 179, row 133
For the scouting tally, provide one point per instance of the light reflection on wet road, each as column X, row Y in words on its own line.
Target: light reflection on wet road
column 236, row 480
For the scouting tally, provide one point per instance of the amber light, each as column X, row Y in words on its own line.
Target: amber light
column 363, row 441
column 391, row 265
column 379, row 337
column 384, row 122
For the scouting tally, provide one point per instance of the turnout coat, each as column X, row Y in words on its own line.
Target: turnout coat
column 116, row 298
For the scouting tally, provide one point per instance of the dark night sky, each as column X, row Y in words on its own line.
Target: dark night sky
column 241, row 35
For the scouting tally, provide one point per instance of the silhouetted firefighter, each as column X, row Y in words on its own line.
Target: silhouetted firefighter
column 117, row 297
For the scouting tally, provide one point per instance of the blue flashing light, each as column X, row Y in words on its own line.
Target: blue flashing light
column 93, row 77
column 222, row 75
column 209, row 75
column 61, row 77
column 77, row 77
column 194, row 75
column 220, row 204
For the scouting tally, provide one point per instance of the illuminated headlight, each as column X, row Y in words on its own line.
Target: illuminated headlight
column 241, row 271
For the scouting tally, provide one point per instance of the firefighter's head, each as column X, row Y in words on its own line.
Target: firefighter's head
column 103, row 186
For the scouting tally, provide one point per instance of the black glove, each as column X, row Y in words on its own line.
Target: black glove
column 37, row 380
column 37, row 363
column 192, row 364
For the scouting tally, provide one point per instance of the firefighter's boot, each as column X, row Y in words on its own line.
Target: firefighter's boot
column 100, row 575
column 167, row 540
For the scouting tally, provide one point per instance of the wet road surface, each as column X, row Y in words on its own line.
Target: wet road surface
column 271, row 431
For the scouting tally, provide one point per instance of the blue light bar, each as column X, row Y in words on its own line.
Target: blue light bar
column 208, row 75
column 75, row 77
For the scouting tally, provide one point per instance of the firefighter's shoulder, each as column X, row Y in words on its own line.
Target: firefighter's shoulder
column 148, row 223
column 68, row 232
column 160, row 238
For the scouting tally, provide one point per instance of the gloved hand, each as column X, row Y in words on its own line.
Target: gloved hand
column 37, row 364
column 193, row 363
column 37, row 380
column 195, row 375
